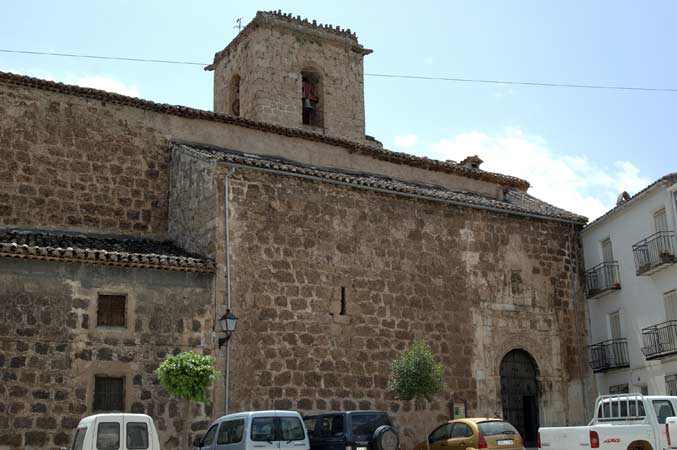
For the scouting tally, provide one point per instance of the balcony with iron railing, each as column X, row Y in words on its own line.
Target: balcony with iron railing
column 660, row 340
column 609, row 355
column 602, row 279
column 654, row 252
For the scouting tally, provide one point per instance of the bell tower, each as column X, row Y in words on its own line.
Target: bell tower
column 295, row 73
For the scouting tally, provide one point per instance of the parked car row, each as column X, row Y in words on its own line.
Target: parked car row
column 288, row 430
column 258, row 430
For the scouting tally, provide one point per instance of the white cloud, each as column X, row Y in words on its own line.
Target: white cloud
column 572, row 182
column 107, row 84
column 405, row 141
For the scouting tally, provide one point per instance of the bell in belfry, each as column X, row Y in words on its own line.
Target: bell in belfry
column 308, row 105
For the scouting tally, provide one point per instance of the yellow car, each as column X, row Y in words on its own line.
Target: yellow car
column 462, row 434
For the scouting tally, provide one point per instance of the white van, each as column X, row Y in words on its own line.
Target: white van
column 116, row 431
column 257, row 430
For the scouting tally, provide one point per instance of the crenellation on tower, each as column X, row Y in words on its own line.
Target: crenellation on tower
column 293, row 72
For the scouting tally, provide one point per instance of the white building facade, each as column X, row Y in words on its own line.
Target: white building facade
column 631, row 290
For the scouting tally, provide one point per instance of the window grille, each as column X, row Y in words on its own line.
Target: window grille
column 619, row 389
column 111, row 311
column 109, row 394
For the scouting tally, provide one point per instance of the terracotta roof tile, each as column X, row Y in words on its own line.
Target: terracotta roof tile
column 515, row 201
column 84, row 248
column 192, row 113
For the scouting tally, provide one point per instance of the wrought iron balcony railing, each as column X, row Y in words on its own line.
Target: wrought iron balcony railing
column 660, row 340
column 602, row 278
column 609, row 355
column 653, row 252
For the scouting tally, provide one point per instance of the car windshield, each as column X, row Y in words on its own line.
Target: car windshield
column 366, row 424
column 496, row 427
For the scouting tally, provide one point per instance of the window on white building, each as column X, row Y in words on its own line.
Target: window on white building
column 671, row 384
column 670, row 299
column 607, row 252
column 660, row 220
column 615, row 325
column 619, row 389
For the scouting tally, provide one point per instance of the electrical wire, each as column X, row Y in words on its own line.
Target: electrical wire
column 381, row 75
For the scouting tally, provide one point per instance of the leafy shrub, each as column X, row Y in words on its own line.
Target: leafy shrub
column 187, row 375
column 415, row 374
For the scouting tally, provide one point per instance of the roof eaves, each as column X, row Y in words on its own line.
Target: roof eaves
column 65, row 247
column 670, row 179
column 379, row 182
column 193, row 113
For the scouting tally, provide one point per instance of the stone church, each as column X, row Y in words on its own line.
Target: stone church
column 121, row 218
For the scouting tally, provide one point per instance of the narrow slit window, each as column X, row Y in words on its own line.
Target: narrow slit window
column 343, row 301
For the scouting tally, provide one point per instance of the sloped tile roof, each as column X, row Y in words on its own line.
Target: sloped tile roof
column 114, row 251
column 193, row 113
column 515, row 201
column 670, row 178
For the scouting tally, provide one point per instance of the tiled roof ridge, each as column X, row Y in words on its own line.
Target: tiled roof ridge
column 336, row 33
column 670, row 177
column 13, row 244
column 433, row 192
column 194, row 113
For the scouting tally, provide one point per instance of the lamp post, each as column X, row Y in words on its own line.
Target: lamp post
column 228, row 323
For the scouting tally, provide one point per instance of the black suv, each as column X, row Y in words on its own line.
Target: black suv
column 353, row 430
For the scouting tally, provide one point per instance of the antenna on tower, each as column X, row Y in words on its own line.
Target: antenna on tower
column 239, row 24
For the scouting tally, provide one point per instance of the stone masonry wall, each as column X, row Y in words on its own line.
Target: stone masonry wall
column 69, row 162
column 409, row 269
column 73, row 165
column 269, row 62
column 51, row 348
column 192, row 200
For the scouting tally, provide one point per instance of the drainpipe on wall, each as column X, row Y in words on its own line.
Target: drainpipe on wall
column 574, row 268
column 226, row 186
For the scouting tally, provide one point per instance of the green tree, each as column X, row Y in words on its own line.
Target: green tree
column 187, row 375
column 416, row 375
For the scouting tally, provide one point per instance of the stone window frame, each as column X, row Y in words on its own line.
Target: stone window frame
column 125, row 313
column 130, row 311
column 111, row 369
column 109, row 377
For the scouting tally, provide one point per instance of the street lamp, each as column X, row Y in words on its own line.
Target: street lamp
column 228, row 323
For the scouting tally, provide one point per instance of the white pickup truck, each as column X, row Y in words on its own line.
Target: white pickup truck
column 621, row 422
column 116, row 431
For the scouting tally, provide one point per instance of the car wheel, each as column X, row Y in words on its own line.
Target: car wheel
column 385, row 438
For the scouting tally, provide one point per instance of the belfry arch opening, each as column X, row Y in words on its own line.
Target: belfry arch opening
column 519, row 394
column 311, row 98
column 234, row 95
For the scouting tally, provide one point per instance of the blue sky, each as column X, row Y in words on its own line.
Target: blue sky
column 579, row 148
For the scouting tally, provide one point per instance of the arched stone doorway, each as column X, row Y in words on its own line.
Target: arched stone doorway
column 519, row 394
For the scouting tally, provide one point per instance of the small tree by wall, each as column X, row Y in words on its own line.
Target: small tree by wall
column 416, row 375
column 187, row 376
